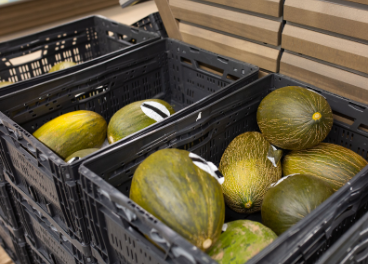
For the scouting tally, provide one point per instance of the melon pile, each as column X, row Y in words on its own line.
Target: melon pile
column 284, row 171
column 77, row 134
column 295, row 120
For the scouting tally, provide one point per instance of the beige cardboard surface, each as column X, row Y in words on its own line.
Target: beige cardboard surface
column 4, row 258
column 262, row 74
column 328, row 48
column 33, row 13
column 168, row 19
column 262, row 56
column 240, row 24
column 331, row 79
column 267, row 7
column 341, row 19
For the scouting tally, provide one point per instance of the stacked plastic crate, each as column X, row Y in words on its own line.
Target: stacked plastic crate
column 249, row 30
column 36, row 222
column 40, row 202
column 326, row 44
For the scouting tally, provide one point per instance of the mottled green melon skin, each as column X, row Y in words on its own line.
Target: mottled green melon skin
column 247, row 171
column 131, row 119
column 2, row 84
column 169, row 186
column 81, row 153
column 73, row 131
column 291, row 200
column 285, row 118
column 242, row 240
column 62, row 65
column 330, row 162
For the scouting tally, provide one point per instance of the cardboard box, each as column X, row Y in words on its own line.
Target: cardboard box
column 267, row 7
column 229, row 21
column 332, row 49
column 263, row 56
column 343, row 19
column 327, row 77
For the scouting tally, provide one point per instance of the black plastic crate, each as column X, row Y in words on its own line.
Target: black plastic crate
column 351, row 248
column 113, row 218
column 86, row 41
column 8, row 211
column 50, row 242
column 12, row 241
column 152, row 23
column 167, row 69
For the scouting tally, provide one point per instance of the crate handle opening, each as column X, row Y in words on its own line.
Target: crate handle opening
column 88, row 95
column 185, row 60
column 343, row 118
column 232, row 77
column 357, row 107
column 210, row 68
column 197, row 142
column 110, row 33
column 26, row 58
column 363, row 127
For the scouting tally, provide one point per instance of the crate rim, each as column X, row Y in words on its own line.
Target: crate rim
column 75, row 21
column 271, row 75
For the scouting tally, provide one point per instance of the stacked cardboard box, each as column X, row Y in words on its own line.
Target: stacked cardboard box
column 326, row 44
column 248, row 30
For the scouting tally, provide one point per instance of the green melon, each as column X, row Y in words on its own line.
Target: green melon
column 73, row 131
column 291, row 199
column 62, row 65
column 184, row 197
column 81, row 153
column 131, row 118
column 248, row 172
column 242, row 240
column 2, row 84
column 294, row 118
column 332, row 163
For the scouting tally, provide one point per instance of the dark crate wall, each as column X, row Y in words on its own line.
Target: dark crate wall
column 48, row 240
column 12, row 241
column 152, row 23
column 351, row 247
column 79, row 41
column 8, row 210
column 105, row 181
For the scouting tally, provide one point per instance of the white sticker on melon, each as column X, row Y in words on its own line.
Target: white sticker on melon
column 207, row 166
column 155, row 110
column 282, row 179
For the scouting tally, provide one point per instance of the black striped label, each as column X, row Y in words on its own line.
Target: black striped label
column 207, row 166
column 155, row 110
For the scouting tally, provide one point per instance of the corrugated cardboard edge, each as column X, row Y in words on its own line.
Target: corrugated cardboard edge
column 364, row 2
column 267, row 7
column 341, row 19
column 234, row 22
column 262, row 56
column 262, row 74
column 326, row 77
column 343, row 52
